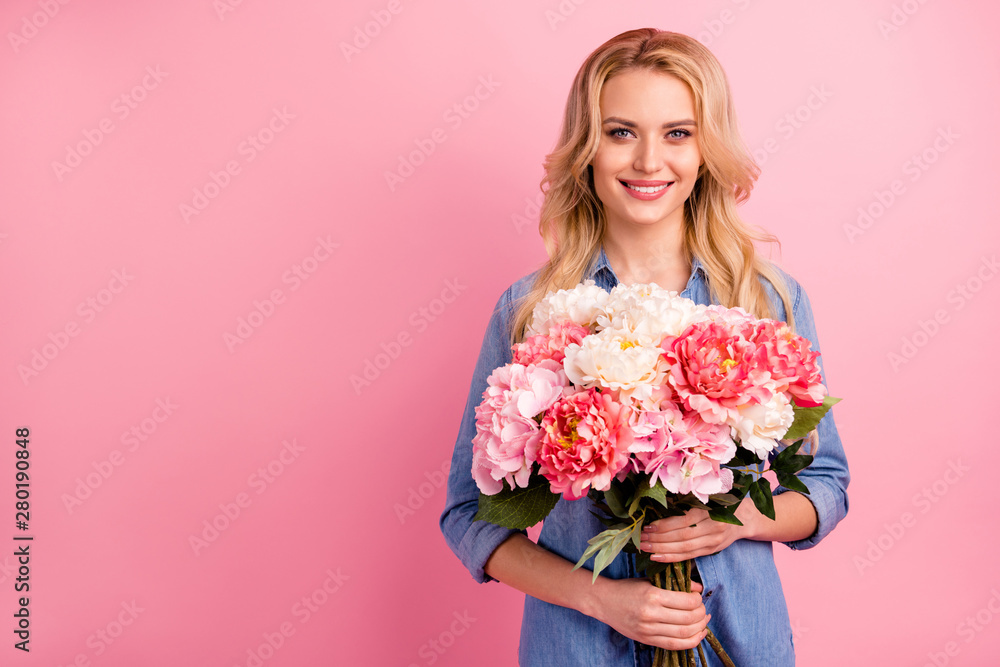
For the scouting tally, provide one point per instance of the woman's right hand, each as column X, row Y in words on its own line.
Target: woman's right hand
column 641, row 611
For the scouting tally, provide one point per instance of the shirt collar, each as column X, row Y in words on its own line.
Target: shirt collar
column 602, row 266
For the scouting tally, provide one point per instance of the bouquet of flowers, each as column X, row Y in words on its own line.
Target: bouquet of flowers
column 650, row 405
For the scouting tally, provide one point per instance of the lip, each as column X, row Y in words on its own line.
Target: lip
column 645, row 184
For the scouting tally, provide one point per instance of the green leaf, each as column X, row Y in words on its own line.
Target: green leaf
column 725, row 515
column 606, row 545
column 597, row 542
column 744, row 457
column 657, row 492
column 806, row 419
column 607, row 521
column 640, row 490
column 518, row 508
column 792, row 483
column 615, row 502
column 788, row 461
column 741, row 481
column 609, row 551
column 724, row 498
column 760, row 492
column 637, row 533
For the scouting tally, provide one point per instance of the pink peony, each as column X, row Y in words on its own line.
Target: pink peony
column 793, row 366
column 551, row 345
column 714, row 369
column 654, row 441
column 584, row 443
column 684, row 452
column 505, row 422
column 698, row 475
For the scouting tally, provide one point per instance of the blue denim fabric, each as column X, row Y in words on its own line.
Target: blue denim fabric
column 742, row 588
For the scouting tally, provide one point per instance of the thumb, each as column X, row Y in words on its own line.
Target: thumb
column 696, row 587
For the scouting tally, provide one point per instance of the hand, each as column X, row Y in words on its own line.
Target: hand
column 695, row 533
column 641, row 611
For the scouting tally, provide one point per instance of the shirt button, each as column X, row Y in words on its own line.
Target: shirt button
column 708, row 594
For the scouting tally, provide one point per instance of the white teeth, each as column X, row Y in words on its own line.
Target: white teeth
column 645, row 190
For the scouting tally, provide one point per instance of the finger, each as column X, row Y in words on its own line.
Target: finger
column 684, row 555
column 678, row 602
column 696, row 587
column 698, row 545
column 679, row 534
column 692, row 518
column 678, row 635
column 678, row 644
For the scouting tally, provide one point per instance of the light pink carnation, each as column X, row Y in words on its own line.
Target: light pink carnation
column 551, row 345
column 584, row 444
column 714, row 369
column 793, row 366
column 505, row 422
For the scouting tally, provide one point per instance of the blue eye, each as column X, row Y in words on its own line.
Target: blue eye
column 622, row 133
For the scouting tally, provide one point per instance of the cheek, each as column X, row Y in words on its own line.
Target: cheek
column 689, row 161
column 605, row 170
column 605, row 166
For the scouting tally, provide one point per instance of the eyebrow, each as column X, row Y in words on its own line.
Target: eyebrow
column 666, row 126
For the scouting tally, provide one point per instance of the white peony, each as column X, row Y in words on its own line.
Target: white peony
column 613, row 359
column 581, row 305
column 648, row 312
column 760, row 426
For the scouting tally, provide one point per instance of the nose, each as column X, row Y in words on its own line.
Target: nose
column 649, row 158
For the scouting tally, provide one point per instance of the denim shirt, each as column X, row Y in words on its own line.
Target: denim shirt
column 742, row 590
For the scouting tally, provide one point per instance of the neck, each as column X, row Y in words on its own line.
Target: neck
column 649, row 254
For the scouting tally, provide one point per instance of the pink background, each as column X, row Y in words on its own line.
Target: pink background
column 413, row 274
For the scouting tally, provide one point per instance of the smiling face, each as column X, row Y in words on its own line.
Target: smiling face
column 648, row 157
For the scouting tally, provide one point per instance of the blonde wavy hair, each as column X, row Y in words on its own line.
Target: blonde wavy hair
column 572, row 221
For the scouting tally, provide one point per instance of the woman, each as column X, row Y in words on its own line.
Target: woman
column 643, row 187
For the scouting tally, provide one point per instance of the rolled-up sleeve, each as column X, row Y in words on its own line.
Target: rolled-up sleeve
column 475, row 541
column 827, row 476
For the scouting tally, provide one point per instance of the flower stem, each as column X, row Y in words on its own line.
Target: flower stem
column 719, row 651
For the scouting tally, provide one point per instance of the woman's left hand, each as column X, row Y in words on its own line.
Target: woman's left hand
column 694, row 534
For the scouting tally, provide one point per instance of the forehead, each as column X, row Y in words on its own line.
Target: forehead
column 646, row 96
